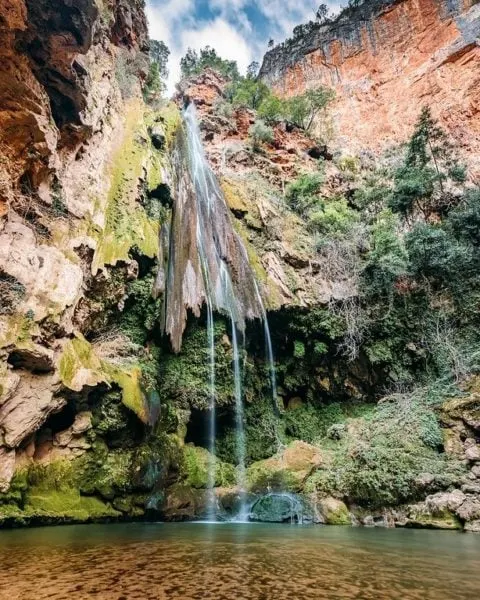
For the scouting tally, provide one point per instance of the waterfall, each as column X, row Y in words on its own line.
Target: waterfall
column 208, row 265
column 211, row 498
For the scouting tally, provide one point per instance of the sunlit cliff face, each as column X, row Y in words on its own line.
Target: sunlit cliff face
column 384, row 63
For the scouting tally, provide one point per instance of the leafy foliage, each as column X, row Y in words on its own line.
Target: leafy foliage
column 260, row 133
column 193, row 63
column 383, row 459
column 424, row 181
column 302, row 194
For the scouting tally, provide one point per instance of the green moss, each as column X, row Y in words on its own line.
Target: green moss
column 66, row 506
column 440, row 519
column 261, row 478
column 127, row 225
column 339, row 516
column 79, row 365
column 53, row 495
column 195, row 466
column 184, row 377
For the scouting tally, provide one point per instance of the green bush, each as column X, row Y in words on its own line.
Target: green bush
column 434, row 254
column 334, row 219
column 387, row 259
column 309, row 423
column 249, row 93
column 193, row 63
column 272, row 109
column 302, row 110
column 302, row 194
column 381, row 460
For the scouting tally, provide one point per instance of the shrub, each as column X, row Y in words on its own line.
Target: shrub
column 302, row 194
column 224, row 109
column 309, row 424
column 464, row 220
column 303, row 109
column 335, row 218
column 260, row 133
column 381, row 460
column 387, row 259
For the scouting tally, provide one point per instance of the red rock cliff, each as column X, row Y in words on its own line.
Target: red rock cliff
column 385, row 59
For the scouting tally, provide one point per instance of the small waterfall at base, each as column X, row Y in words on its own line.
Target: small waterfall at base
column 208, row 264
column 211, row 498
column 239, row 430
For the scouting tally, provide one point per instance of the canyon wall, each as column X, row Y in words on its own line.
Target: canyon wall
column 385, row 59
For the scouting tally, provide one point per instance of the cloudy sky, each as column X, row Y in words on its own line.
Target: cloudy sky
column 238, row 29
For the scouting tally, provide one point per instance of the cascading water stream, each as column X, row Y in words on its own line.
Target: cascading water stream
column 200, row 272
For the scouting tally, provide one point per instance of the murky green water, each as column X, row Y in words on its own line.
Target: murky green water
column 236, row 562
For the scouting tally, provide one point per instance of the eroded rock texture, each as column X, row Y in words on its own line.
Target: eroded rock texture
column 385, row 59
column 70, row 81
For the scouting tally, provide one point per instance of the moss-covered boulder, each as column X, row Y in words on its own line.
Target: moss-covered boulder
column 331, row 511
column 195, row 467
column 286, row 471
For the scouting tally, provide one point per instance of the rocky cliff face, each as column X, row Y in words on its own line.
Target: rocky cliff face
column 74, row 150
column 385, row 59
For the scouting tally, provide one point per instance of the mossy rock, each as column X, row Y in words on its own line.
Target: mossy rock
column 284, row 472
column 79, row 366
column 66, row 505
column 127, row 224
column 332, row 511
column 279, row 507
column 194, row 470
column 420, row 516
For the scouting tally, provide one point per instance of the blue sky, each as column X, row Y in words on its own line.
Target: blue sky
column 238, row 29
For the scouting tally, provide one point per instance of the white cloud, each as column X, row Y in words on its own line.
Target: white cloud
column 229, row 31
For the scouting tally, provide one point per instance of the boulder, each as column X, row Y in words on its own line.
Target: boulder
column 286, row 471
column 469, row 510
column 33, row 401
column 280, row 508
column 332, row 511
column 473, row 526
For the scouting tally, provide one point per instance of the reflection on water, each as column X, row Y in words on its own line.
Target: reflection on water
column 236, row 562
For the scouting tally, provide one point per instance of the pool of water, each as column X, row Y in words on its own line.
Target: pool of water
column 237, row 562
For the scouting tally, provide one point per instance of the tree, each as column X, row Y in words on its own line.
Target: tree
column 193, row 63
column 271, row 43
column 189, row 63
column 272, row 109
column 252, row 70
column 157, row 72
column 420, row 183
column 322, row 13
column 250, row 93
column 159, row 54
column 303, row 109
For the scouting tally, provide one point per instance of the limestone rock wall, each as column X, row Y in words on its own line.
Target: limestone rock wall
column 386, row 59
column 74, row 150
